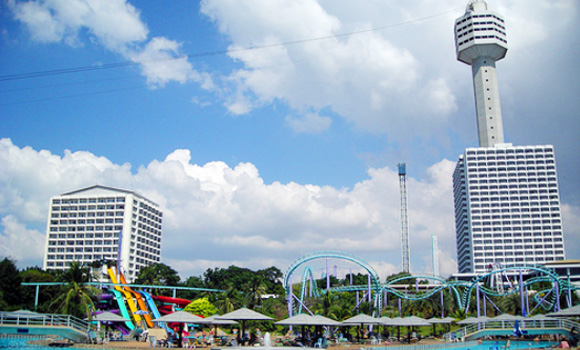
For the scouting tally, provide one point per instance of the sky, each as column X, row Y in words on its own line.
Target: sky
column 267, row 130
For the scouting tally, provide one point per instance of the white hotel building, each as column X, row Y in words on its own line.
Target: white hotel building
column 99, row 222
column 507, row 202
column 507, row 208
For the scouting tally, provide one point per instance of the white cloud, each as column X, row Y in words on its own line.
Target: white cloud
column 216, row 215
column 19, row 243
column 117, row 26
column 309, row 123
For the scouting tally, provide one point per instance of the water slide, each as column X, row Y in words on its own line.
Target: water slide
column 154, row 310
column 123, row 308
column 181, row 303
column 140, row 301
column 128, row 296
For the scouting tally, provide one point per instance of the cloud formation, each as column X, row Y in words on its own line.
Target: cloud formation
column 216, row 215
column 114, row 24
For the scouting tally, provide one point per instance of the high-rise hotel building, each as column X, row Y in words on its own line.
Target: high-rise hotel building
column 507, row 202
column 103, row 223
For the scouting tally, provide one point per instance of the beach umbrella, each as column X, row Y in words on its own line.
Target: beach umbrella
column 361, row 319
column 244, row 315
column 394, row 322
column 213, row 320
column 474, row 320
column 569, row 312
column 181, row 317
column 107, row 316
column 507, row 317
column 412, row 321
column 325, row 321
column 435, row 321
column 298, row 320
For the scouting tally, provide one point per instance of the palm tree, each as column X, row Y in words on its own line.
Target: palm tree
column 76, row 297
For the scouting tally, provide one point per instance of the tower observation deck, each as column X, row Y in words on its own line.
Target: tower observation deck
column 480, row 41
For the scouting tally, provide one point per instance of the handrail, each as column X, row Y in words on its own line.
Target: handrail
column 45, row 320
column 528, row 324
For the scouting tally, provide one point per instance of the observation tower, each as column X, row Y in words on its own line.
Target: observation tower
column 480, row 41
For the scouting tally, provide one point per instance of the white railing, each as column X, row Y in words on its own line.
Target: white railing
column 462, row 333
column 53, row 320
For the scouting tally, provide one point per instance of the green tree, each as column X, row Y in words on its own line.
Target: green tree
column 201, row 307
column 9, row 285
column 46, row 293
column 158, row 275
column 76, row 297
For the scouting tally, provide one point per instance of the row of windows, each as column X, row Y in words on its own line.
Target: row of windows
column 516, row 210
column 85, row 228
column 522, row 182
column 482, row 268
column 469, row 17
column 509, row 157
column 483, row 37
column 87, row 221
column 480, row 30
column 89, row 200
column 499, row 238
column 88, row 207
column 90, row 214
column 84, row 242
column 523, row 249
column 500, row 151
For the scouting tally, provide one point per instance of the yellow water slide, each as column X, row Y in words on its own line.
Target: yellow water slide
column 128, row 296
column 140, row 301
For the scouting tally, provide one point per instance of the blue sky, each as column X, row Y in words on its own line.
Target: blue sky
column 303, row 106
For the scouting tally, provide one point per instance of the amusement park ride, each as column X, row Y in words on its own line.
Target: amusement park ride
column 542, row 287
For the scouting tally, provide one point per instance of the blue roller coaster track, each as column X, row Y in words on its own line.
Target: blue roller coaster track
column 548, row 286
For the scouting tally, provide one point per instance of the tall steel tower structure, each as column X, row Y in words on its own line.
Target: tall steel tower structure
column 405, row 250
column 435, row 255
column 480, row 41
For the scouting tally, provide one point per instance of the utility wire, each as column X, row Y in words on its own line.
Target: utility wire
column 52, row 72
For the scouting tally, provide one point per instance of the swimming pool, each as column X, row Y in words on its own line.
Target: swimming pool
column 472, row 345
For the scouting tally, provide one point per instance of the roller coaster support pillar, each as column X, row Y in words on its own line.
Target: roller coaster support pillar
column 522, row 294
column 400, row 315
column 289, row 296
column 484, row 304
column 477, row 298
column 369, row 284
column 327, row 276
column 557, row 286
column 442, row 304
column 569, row 289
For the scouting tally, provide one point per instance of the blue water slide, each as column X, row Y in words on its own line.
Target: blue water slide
column 123, row 308
column 154, row 310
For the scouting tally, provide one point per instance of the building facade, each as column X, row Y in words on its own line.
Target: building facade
column 507, row 207
column 103, row 223
column 507, row 202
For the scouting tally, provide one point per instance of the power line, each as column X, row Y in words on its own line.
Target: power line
column 39, row 74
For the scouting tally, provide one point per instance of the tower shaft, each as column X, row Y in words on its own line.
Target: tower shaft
column 487, row 105
column 405, row 248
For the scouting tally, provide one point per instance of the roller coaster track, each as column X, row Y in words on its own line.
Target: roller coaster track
column 461, row 290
